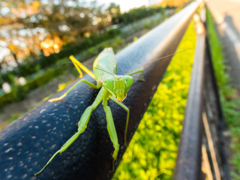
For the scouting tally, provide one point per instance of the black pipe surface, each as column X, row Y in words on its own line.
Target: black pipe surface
column 188, row 164
column 28, row 143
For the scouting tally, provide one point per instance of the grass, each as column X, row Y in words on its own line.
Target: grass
column 230, row 103
column 153, row 150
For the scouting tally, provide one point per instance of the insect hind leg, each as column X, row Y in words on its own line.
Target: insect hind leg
column 112, row 132
column 82, row 80
column 82, row 125
column 126, row 109
column 80, row 66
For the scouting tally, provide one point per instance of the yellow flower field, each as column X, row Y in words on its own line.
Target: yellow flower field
column 153, row 150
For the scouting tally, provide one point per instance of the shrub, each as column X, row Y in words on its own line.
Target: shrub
column 18, row 92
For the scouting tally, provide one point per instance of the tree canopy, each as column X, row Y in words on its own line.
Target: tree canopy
column 26, row 23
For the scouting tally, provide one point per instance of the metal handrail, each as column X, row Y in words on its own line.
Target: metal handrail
column 202, row 147
column 188, row 164
column 27, row 143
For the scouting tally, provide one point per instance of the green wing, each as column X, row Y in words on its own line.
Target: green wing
column 106, row 61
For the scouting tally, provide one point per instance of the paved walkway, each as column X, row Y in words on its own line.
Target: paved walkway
column 227, row 17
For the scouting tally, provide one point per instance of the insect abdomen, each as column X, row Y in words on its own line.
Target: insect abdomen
column 106, row 61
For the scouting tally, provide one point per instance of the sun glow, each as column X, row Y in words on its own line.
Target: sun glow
column 50, row 46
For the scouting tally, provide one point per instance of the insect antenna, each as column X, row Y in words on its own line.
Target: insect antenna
column 105, row 71
column 158, row 59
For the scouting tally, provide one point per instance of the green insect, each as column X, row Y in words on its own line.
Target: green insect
column 112, row 86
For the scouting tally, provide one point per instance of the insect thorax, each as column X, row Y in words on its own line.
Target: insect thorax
column 118, row 86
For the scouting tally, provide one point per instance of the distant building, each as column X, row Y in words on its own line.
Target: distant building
column 153, row 2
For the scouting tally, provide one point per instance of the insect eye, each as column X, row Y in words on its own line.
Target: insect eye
column 108, row 83
column 129, row 82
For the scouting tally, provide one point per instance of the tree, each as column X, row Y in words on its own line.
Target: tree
column 114, row 11
column 67, row 19
column 29, row 22
column 13, row 33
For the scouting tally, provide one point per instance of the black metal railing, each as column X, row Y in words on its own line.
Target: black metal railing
column 202, row 141
column 188, row 165
column 28, row 143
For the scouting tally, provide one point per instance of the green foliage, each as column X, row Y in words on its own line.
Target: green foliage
column 147, row 26
column 85, row 49
column 230, row 104
column 152, row 152
column 152, row 21
column 116, row 43
column 91, row 46
column 136, row 14
column 31, row 67
column 19, row 92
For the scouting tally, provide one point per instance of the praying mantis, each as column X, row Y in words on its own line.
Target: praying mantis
column 114, row 87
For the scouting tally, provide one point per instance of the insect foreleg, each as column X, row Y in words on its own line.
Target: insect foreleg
column 140, row 75
column 82, row 80
column 126, row 109
column 82, row 125
column 63, row 148
column 111, row 130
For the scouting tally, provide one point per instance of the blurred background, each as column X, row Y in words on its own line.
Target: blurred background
column 37, row 37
